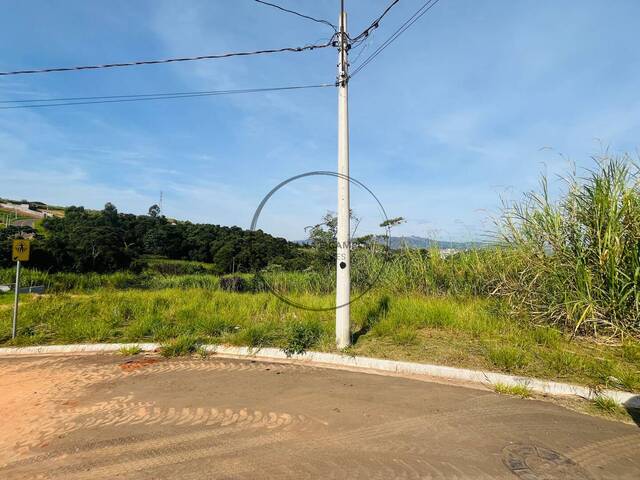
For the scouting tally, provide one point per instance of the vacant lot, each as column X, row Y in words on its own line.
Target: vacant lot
column 466, row 332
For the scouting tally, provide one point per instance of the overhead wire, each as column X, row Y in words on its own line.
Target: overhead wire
column 58, row 102
column 407, row 24
column 318, row 20
column 375, row 24
column 173, row 60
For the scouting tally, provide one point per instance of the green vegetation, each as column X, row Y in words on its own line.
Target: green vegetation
column 607, row 405
column 130, row 351
column 107, row 241
column 516, row 390
column 557, row 299
column 580, row 265
column 467, row 332
column 180, row 346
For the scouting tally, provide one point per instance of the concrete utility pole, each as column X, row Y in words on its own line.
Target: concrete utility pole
column 343, row 267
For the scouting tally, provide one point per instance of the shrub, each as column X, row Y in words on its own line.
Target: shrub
column 234, row 283
column 183, row 345
column 301, row 336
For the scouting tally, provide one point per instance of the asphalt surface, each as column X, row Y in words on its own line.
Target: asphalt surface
column 104, row 417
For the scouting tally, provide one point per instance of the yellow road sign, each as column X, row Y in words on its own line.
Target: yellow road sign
column 21, row 250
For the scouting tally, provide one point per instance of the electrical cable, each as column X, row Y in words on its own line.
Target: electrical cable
column 172, row 60
column 57, row 102
column 375, row 24
column 413, row 19
column 319, row 20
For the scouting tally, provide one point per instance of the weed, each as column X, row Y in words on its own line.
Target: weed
column 405, row 337
column 631, row 352
column 515, row 390
column 257, row 335
column 130, row 350
column 202, row 352
column 507, row 358
column 563, row 362
column 546, row 336
column 626, row 378
column 180, row 346
column 607, row 405
column 301, row 336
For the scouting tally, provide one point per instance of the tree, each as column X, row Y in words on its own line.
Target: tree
column 154, row 210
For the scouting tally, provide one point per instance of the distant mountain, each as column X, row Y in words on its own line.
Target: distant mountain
column 423, row 242
column 420, row 242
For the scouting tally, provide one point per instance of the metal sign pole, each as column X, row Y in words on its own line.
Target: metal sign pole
column 14, row 326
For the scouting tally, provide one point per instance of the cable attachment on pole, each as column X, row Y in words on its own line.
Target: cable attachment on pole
column 344, row 45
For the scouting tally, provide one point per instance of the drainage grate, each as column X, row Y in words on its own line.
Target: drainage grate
column 531, row 462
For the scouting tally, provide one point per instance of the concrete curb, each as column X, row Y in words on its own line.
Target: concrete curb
column 357, row 363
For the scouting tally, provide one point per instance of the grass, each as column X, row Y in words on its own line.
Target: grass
column 461, row 331
column 580, row 267
column 130, row 351
column 508, row 359
column 607, row 405
column 180, row 346
column 515, row 390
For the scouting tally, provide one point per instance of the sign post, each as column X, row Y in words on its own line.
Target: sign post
column 20, row 253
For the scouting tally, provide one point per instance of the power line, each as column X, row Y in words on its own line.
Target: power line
column 172, row 60
column 58, row 102
column 318, row 20
column 375, row 24
column 413, row 19
column 171, row 94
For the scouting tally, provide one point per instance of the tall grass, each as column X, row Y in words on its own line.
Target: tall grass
column 581, row 253
column 570, row 262
column 470, row 332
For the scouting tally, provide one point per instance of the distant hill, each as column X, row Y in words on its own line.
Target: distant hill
column 423, row 242
column 420, row 242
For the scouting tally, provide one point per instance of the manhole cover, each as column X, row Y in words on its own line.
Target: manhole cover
column 531, row 462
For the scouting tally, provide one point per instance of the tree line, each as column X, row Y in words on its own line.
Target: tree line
column 106, row 241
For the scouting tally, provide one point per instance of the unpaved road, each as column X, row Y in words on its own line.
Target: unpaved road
column 98, row 417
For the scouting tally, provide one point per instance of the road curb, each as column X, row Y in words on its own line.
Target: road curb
column 627, row 399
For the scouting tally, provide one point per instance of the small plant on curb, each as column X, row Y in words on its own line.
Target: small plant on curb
column 202, row 352
column 130, row 351
column 300, row 336
column 607, row 405
column 180, row 346
column 515, row 390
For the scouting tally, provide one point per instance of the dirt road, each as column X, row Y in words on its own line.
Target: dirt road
column 99, row 417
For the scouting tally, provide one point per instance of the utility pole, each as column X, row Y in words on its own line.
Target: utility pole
column 343, row 267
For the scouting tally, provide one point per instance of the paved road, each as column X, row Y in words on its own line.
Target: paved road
column 102, row 417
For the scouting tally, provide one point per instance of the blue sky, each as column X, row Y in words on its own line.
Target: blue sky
column 471, row 103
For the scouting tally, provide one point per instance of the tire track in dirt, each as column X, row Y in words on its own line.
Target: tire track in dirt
column 59, row 380
column 119, row 412
column 361, row 441
column 607, row 451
